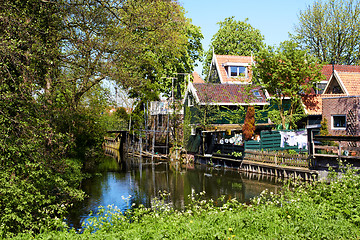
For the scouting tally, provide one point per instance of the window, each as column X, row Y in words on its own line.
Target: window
column 336, row 90
column 190, row 100
column 256, row 93
column 160, row 120
column 339, row 122
column 237, row 71
column 320, row 87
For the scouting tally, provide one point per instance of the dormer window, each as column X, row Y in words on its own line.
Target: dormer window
column 237, row 71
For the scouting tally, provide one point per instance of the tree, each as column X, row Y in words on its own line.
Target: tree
column 53, row 57
column 287, row 72
column 135, row 43
column 331, row 31
column 36, row 182
column 249, row 124
column 233, row 38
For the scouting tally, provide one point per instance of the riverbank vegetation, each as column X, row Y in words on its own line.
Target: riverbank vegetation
column 55, row 60
column 317, row 210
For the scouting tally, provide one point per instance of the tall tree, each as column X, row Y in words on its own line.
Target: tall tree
column 233, row 38
column 36, row 183
column 331, row 30
column 287, row 72
column 136, row 43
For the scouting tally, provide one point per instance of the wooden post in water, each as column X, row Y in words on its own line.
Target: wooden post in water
column 153, row 143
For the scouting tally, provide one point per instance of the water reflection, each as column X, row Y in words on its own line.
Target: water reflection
column 143, row 186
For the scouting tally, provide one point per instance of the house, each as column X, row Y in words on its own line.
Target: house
column 226, row 97
column 228, row 91
column 340, row 103
column 333, row 86
column 196, row 78
column 229, row 87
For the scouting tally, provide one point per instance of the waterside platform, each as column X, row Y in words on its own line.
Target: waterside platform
column 278, row 170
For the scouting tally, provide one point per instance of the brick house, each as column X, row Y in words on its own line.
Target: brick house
column 342, row 113
column 341, row 103
column 337, row 83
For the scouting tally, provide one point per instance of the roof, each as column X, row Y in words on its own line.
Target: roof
column 313, row 102
column 197, row 78
column 351, row 81
column 327, row 70
column 229, row 94
column 222, row 60
column 347, row 76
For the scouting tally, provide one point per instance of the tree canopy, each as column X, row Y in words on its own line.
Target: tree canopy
column 287, row 72
column 53, row 56
column 331, row 31
column 233, row 38
column 136, row 43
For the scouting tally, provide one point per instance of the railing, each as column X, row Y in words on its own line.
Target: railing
column 341, row 150
column 277, row 158
column 111, row 143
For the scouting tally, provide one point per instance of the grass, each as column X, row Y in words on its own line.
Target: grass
column 303, row 211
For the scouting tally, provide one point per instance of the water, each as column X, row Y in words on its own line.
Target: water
column 141, row 187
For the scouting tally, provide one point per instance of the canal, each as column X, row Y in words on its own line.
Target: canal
column 122, row 189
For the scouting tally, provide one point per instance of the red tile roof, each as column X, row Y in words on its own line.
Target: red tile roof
column 313, row 103
column 197, row 78
column 231, row 94
column 351, row 81
column 222, row 60
column 349, row 75
column 327, row 70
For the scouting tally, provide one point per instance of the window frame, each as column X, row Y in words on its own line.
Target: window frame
column 333, row 122
column 321, row 91
column 228, row 71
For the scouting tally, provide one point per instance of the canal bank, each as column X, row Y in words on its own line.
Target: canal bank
column 129, row 188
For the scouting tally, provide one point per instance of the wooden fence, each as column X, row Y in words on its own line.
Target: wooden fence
column 277, row 158
column 270, row 141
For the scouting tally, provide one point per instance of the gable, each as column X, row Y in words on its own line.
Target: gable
column 196, row 78
column 334, row 86
column 347, row 83
column 230, row 69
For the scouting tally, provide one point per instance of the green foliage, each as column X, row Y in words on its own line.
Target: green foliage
column 233, row 38
column 315, row 210
column 122, row 114
column 330, row 30
column 205, row 115
column 292, row 152
column 287, row 72
column 277, row 117
column 236, row 154
column 324, row 128
column 249, row 124
column 233, row 116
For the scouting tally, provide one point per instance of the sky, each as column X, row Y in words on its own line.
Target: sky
column 274, row 18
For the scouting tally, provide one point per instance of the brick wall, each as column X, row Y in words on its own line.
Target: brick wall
column 342, row 106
